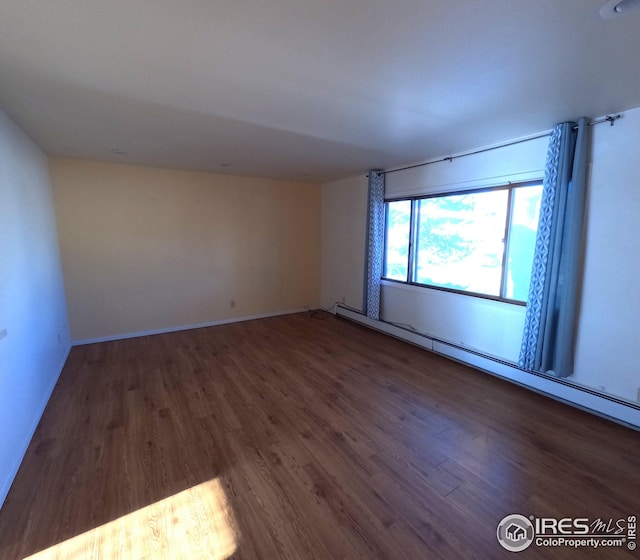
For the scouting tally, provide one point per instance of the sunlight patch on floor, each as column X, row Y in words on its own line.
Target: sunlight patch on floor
column 194, row 524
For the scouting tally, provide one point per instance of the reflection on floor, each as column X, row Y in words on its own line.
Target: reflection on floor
column 195, row 524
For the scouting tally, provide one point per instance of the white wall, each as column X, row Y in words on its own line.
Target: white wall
column 609, row 320
column 344, row 229
column 32, row 302
column 491, row 327
column 609, row 326
column 520, row 162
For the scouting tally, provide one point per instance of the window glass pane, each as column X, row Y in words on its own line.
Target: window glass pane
column 460, row 241
column 522, row 240
column 397, row 240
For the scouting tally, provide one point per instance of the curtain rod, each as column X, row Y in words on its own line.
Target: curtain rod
column 609, row 118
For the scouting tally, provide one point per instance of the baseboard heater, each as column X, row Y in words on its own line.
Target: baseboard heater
column 618, row 410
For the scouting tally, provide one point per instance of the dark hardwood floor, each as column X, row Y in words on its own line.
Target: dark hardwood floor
column 303, row 436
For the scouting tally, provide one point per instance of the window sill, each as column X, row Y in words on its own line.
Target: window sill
column 442, row 292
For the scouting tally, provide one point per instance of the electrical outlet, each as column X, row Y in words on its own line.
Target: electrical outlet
column 3, row 333
column 232, row 303
column 344, row 299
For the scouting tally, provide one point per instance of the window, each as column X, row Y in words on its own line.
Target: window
column 479, row 242
column 398, row 229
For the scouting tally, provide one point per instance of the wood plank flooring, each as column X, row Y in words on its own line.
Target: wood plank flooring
column 302, row 437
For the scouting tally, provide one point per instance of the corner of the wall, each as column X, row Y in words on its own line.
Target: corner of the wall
column 5, row 485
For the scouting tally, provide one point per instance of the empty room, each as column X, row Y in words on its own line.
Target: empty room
column 330, row 280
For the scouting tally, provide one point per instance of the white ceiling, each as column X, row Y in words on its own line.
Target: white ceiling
column 306, row 89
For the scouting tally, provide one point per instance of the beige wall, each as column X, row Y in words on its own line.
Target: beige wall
column 146, row 248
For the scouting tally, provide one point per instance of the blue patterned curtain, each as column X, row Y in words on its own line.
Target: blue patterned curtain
column 375, row 245
column 549, row 332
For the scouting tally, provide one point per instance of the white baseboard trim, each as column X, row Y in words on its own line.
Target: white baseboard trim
column 136, row 334
column 421, row 340
column 5, row 486
column 558, row 389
